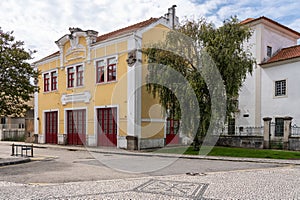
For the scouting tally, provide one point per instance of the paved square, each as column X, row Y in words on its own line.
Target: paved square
column 173, row 188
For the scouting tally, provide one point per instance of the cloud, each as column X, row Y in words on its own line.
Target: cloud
column 40, row 23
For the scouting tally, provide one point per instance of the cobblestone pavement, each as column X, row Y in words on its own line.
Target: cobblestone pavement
column 268, row 183
column 67, row 173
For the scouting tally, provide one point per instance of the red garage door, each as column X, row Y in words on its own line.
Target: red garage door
column 51, row 127
column 107, row 126
column 172, row 136
column 76, row 127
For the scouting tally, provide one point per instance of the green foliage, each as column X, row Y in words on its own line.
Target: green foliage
column 191, row 46
column 15, row 75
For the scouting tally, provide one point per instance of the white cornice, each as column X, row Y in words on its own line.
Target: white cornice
column 278, row 63
column 47, row 60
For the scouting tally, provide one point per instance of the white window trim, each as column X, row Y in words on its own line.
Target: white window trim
column 50, row 80
column 75, row 78
column 286, row 89
column 105, row 59
column 95, row 121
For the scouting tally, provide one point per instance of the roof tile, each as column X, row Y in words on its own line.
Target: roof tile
column 285, row 54
column 125, row 30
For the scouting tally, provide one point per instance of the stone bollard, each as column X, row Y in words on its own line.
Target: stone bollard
column 287, row 121
column 267, row 132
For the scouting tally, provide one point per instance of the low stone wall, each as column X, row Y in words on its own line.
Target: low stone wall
column 241, row 141
column 294, row 143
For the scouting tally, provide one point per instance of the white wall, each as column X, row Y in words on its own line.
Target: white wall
column 282, row 106
column 251, row 92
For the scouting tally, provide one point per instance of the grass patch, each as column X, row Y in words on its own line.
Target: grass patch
column 236, row 152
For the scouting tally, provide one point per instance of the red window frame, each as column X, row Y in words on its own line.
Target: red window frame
column 79, row 75
column 71, row 79
column 100, row 72
column 46, row 82
column 54, row 80
column 111, row 69
column 111, row 72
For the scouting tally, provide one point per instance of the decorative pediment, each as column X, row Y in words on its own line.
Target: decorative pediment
column 78, row 49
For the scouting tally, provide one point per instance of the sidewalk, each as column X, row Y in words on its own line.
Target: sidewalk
column 6, row 158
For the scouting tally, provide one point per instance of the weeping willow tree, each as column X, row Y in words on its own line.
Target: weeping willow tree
column 193, row 50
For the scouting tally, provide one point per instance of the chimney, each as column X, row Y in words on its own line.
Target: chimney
column 171, row 17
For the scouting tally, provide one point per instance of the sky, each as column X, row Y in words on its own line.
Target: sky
column 39, row 23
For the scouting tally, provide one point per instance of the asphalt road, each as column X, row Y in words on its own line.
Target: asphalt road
column 61, row 166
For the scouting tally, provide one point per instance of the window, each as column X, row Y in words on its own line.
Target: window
column 269, row 51
column 280, row 88
column 75, row 75
column 46, row 82
column 111, row 69
column 279, row 127
column 100, row 71
column 106, row 70
column 71, row 77
column 54, row 80
column 79, row 75
column 50, row 81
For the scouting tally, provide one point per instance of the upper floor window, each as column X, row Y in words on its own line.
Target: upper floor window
column 111, row 69
column 269, row 51
column 50, row 81
column 280, row 88
column 54, row 80
column 75, row 75
column 71, row 77
column 100, row 71
column 79, row 75
column 46, row 82
column 106, row 70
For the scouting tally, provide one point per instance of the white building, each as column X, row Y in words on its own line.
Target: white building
column 257, row 98
column 280, row 92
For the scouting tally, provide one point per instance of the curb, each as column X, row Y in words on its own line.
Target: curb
column 12, row 161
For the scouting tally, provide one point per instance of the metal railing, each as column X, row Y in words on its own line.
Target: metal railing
column 12, row 134
column 295, row 131
column 12, row 126
column 22, row 150
column 243, row 131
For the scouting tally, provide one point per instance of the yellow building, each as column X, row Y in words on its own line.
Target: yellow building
column 92, row 90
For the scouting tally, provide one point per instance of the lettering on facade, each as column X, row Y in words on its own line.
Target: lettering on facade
column 76, row 97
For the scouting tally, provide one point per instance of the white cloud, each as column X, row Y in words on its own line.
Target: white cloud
column 40, row 23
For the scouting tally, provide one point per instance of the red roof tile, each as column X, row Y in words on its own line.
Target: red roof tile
column 285, row 54
column 127, row 29
column 250, row 20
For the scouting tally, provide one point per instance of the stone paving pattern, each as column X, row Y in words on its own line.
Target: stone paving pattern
column 278, row 183
column 267, row 181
